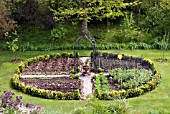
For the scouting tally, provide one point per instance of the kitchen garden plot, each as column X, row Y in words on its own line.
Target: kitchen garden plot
column 117, row 76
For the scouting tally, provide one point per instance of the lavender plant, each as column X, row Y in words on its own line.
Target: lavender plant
column 10, row 106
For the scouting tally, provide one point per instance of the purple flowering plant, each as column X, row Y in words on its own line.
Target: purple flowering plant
column 7, row 103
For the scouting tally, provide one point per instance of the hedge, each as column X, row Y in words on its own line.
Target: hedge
column 17, row 84
column 135, row 92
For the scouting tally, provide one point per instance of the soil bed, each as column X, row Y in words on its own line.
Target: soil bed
column 57, row 66
column 63, row 84
column 112, row 84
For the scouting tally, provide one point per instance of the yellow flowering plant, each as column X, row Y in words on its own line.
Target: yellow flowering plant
column 119, row 56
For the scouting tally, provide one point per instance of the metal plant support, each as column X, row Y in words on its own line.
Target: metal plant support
column 85, row 36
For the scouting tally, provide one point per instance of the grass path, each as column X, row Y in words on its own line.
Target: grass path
column 155, row 101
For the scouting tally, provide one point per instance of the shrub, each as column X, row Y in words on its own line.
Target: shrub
column 57, row 55
column 99, row 70
column 134, row 92
column 92, row 69
column 114, row 94
column 77, row 95
column 65, row 54
column 152, row 85
column 46, row 58
column 71, row 55
column 69, row 96
column 78, row 69
column 105, row 96
column 13, row 46
column 58, row 34
column 123, row 94
column 145, row 88
column 21, row 67
column 94, row 77
column 60, row 96
column 97, row 93
column 71, row 75
column 77, row 76
column 74, row 76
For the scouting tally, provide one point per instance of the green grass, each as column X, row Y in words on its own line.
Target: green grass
column 156, row 100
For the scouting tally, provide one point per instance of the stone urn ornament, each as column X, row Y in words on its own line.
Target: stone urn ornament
column 86, row 68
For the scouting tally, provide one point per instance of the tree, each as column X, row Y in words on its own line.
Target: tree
column 156, row 17
column 34, row 13
column 6, row 23
column 13, row 44
column 86, row 10
column 164, row 44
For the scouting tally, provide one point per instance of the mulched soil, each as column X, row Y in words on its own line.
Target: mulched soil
column 57, row 66
column 63, row 84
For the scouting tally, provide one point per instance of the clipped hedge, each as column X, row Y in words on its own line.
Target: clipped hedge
column 135, row 92
column 150, row 85
column 47, row 94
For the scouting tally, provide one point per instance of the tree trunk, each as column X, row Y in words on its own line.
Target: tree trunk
column 107, row 25
column 84, row 22
column 139, row 12
column 49, row 3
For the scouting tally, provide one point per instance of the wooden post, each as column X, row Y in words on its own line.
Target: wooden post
column 121, row 83
column 99, row 62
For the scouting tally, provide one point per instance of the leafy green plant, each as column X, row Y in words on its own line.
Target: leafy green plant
column 12, row 45
column 165, row 42
column 119, row 106
column 101, row 84
column 131, row 77
column 99, row 70
column 74, row 76
column 129, row 32
column 58, row 34
column 79, row 111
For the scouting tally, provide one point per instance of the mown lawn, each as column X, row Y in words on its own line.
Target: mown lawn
column 156, row 101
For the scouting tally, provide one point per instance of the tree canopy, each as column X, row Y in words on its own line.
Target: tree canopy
column 6, row 23
column 75, row 10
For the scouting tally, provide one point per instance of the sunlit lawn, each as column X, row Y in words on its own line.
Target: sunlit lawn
column 154, row 101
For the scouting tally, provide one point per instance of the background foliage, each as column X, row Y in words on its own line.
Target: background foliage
column 118, row 24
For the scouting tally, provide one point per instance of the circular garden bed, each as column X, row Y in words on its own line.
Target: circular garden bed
column 119, row 76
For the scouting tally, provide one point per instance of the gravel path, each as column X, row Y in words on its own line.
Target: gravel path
column 87, row 86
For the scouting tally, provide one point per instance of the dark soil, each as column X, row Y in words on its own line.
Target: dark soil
column 63, row 84
column 112, row 84
column 15, row 61
column 162, row 60
column 55, row 66
column 108, row 64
